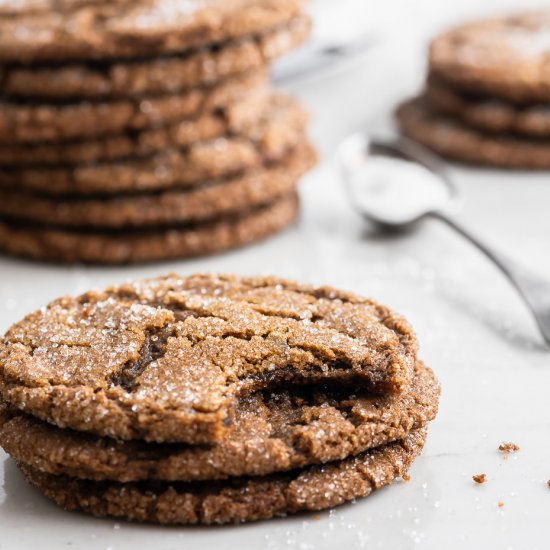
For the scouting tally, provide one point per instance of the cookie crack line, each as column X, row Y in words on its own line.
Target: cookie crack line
column 152, row 349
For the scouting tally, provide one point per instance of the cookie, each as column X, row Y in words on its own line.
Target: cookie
column 34, row 122
column 268, row 140
column 488, row 114
column 272, row 431
column 503, row 57
column 51, row 31
column 147, row 245
column 161, row 75
column 199, row 203
column 228, row 121
column 452, row 139
column 238, row 500
column 167, row 359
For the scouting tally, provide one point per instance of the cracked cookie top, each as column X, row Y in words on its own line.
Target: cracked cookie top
column 167, row 359
column 60, row 30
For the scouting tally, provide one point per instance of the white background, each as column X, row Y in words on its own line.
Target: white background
column 473, row 329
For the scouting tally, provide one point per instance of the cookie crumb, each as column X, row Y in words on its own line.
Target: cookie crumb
column 480, row 478
column 508, row 447
column 406, row 477
column 548, row 483
column 317, row 517
column 500, row 504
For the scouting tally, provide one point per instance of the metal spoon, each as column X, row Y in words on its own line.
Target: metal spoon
column 395, row 183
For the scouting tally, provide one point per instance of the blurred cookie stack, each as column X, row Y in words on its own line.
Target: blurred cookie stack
column 487, row 98
column 144, row 130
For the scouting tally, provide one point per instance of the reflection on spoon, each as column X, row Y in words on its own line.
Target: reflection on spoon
column 397, row 191
column 397, row 183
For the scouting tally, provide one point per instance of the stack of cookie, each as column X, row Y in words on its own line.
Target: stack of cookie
column 487, row 96
column 142, row 130
column 212, row 399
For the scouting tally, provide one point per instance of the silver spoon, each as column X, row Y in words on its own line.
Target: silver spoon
column 395, row 183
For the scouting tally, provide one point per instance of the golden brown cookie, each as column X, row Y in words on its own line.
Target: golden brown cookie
column 167, row 359
column 452, row 139
column 267, row 140
column 236, row 500
column 504, row 57
column 33, row 122
column 271, row 431
column 204, row 202
column 161, row 75
column 489, row 114
column 232, row 120
column 127, row 246
column 52, row 31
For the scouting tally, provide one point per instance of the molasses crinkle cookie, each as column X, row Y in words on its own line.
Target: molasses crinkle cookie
column 212, row 399
column 487, row 95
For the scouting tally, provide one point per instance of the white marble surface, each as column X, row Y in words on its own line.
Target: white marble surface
column 473, row 329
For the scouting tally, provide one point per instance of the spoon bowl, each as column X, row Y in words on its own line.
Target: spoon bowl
column 394, row 183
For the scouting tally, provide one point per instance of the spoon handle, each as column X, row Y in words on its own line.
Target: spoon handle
column 534, row 290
